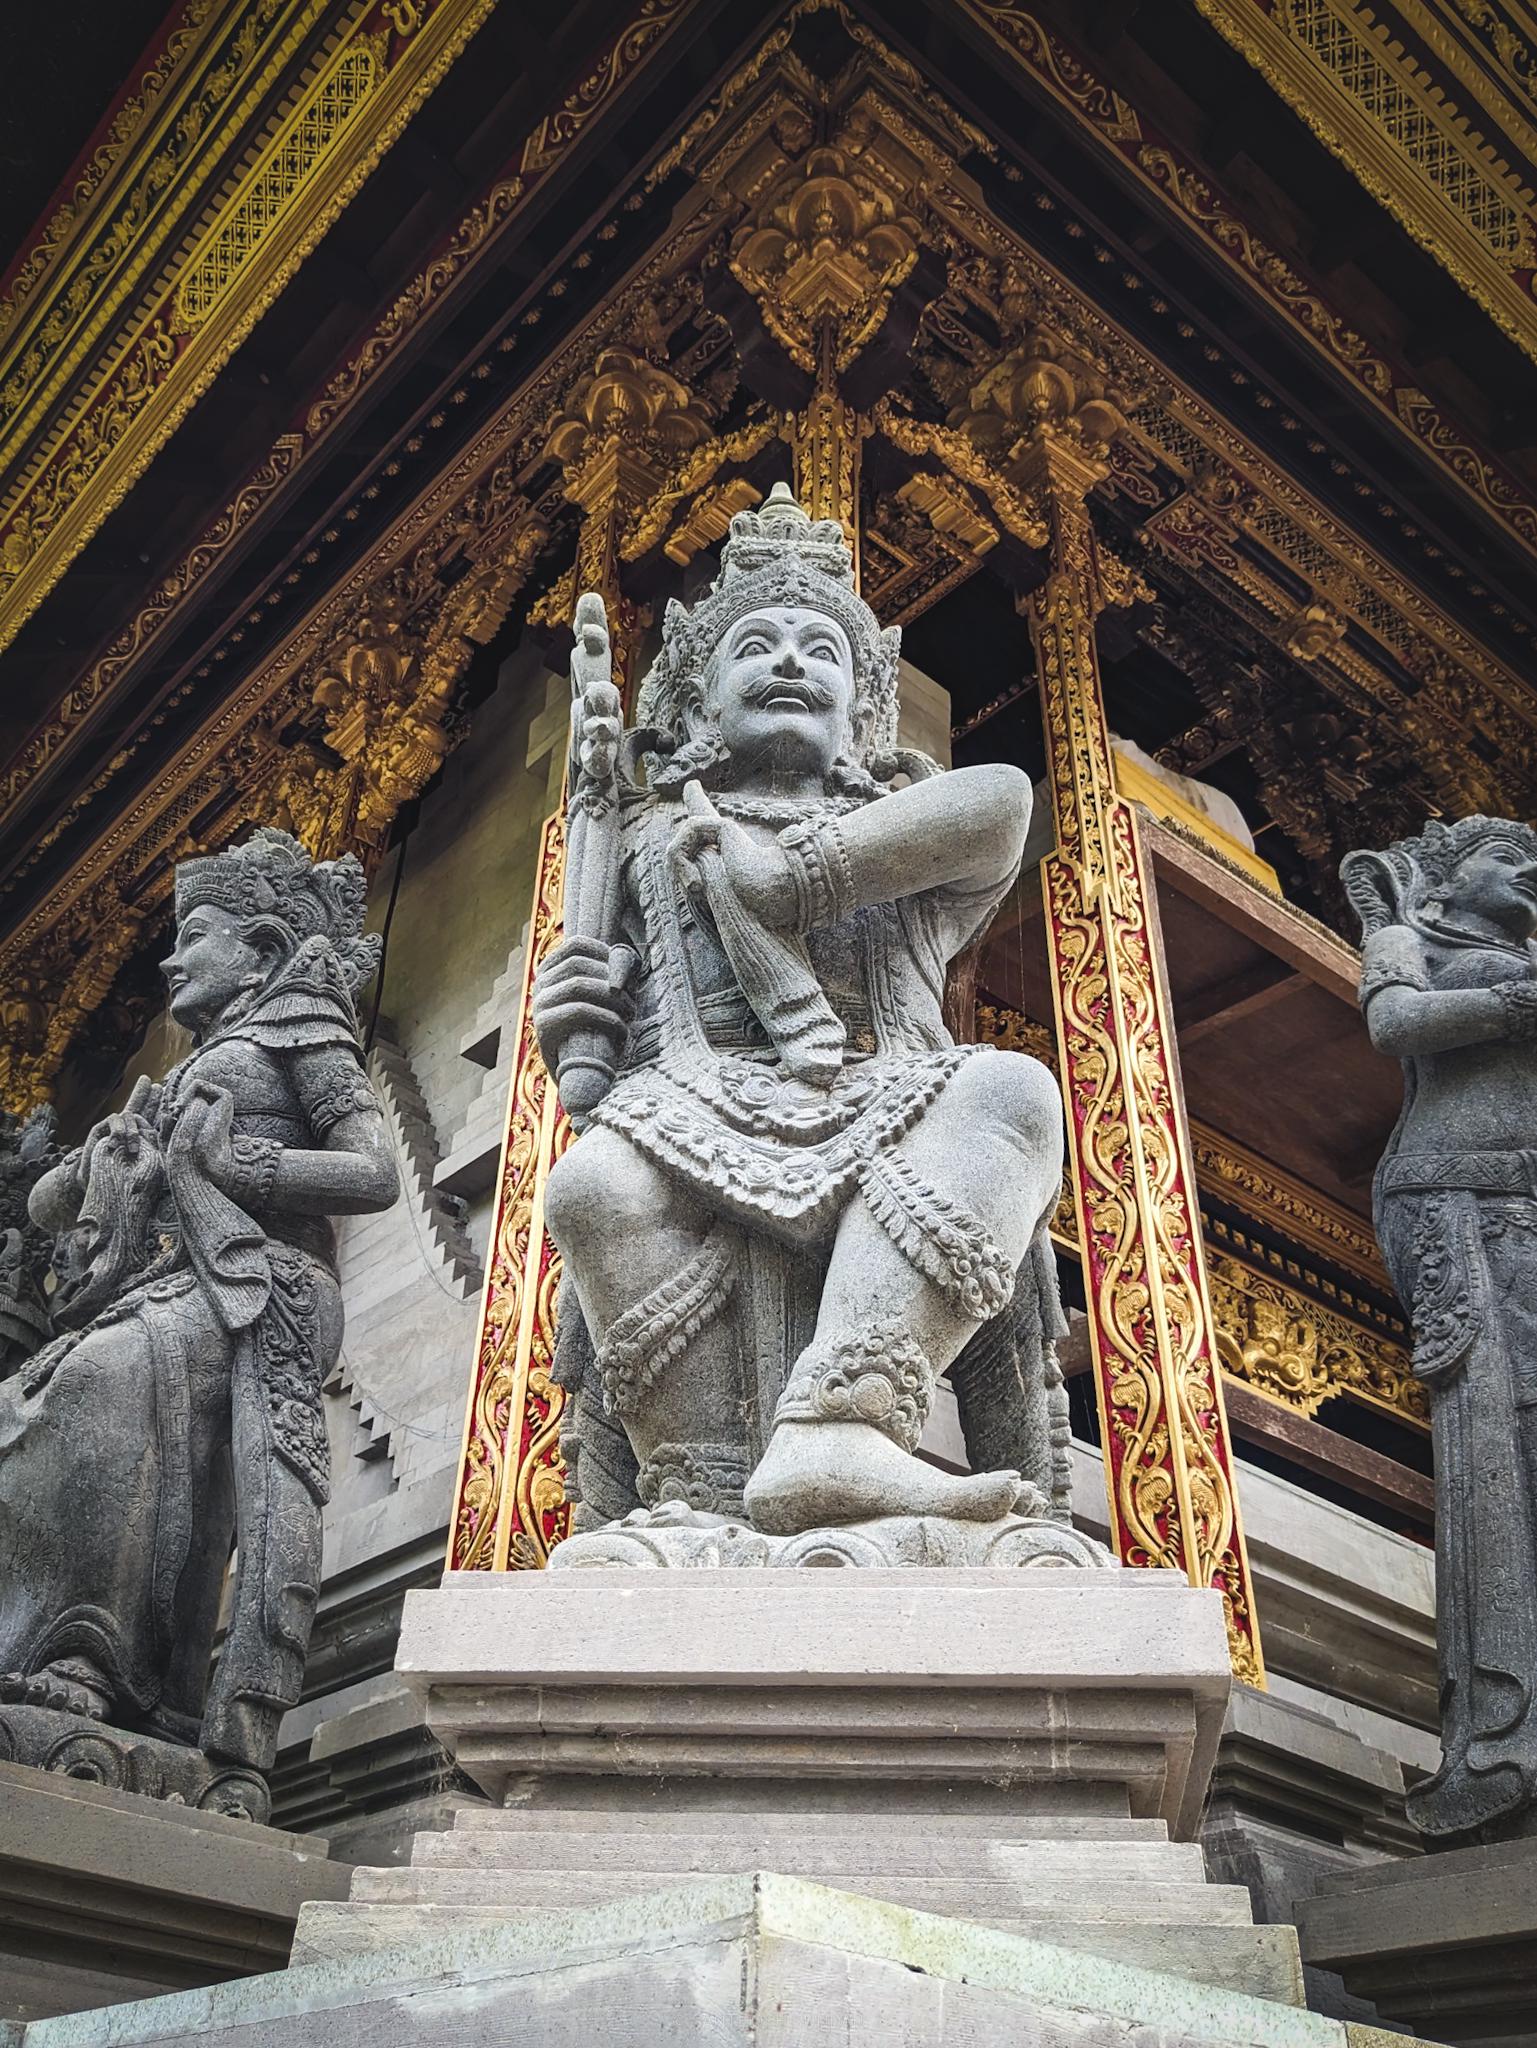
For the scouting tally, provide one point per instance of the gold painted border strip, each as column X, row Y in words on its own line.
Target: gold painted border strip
column 1385, row 168
column 109, row 297
column 421, row 65
column 1207, row 217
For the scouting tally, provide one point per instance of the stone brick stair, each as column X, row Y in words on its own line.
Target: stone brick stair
column 1099, row 1884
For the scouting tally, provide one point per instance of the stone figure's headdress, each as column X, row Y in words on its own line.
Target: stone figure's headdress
column 271, row 880
column 1397, row 885
column 776, row 555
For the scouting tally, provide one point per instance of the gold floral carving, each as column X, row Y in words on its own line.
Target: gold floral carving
column 825, row 445
column 387, row 685
column 509, row 1502
column 1015, row 512
column 829, row 250
column 1168, row 1460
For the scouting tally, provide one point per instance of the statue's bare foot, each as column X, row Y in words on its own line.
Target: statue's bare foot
column 827, row 1474
column 70, row 1687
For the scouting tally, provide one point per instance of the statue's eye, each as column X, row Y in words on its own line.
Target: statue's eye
column 753, row 644
column 823, row 650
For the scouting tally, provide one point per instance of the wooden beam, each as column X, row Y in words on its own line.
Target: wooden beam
column 1254, row 1418
column 1240, row 996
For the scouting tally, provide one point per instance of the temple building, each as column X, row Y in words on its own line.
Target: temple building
column 1171, row 369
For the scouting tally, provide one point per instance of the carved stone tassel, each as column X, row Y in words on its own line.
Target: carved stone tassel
column 774, row 972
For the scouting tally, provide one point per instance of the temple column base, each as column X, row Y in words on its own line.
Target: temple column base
column 1446, row 1943
column 1027, row 1749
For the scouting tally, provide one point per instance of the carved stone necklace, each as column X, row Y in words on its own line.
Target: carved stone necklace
column 1456, row 935
column 781, row 811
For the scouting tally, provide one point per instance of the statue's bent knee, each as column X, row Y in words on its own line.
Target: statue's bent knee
column 600, row 1192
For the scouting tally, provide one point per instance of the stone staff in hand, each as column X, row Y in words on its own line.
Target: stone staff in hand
column 588, row 1054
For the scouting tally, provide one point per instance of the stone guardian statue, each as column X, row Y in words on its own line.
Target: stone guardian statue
column 1449, row 986
column 198, row 1313
column 795, row 1201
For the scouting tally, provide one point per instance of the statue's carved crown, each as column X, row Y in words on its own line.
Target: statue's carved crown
column 272, row 880
column 1392, row 886
column 776, row 555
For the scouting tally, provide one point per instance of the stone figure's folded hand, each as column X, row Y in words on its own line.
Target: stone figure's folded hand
column 583, row 986
column 135, row 1120
column 758, row 873
column 204, row 1133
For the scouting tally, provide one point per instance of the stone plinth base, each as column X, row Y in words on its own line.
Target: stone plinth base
column 754, row 1961
column 1081, row 1691
column 1446, row 1944
column 106, row 1896
column 1007, row 1747
column 96, row 1753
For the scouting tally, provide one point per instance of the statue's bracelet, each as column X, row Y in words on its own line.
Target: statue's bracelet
column 1518, row 1000
column 819, row 870
column 255, row 1165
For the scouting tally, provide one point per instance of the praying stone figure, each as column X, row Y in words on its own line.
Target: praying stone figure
column 27, row 1152
column 198, row 1313
column 1449, row 986
column 795, row 1201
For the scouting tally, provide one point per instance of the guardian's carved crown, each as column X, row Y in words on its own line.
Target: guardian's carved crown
column 776, row 555
column 272, row 880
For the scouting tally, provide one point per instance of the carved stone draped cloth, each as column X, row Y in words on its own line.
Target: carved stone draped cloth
column 701, row 1093
column 1461, row 1231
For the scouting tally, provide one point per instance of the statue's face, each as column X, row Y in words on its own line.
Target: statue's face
column 784, row 693
column 211, row 964
column 1497, row 881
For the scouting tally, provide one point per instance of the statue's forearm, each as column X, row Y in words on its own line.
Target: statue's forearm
column 356, row 1173
column 1406, row 1022
column 335, row 1183
column 961, row 830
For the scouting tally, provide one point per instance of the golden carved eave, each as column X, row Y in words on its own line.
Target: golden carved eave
column 1402, row 137
column 293, row 189
column 1173, row 184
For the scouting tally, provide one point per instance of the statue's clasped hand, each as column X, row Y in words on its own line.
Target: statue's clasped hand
column 757, row 872
column 130, row 1127
column 584, row 986
column 204, row 1135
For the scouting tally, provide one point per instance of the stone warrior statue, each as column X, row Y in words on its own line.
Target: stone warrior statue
column 796, row 1201
column 199, row 1313
column 1449, row 985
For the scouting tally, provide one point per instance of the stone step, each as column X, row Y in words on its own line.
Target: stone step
column 815, row 1850
column 1259, row 1960
column 992, row 1898
column 667, row 1815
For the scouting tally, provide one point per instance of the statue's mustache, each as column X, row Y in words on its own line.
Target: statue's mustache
column 819, row 695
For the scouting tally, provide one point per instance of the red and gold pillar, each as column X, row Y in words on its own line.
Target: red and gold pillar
column 613, row 436
column 1168, row 1457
